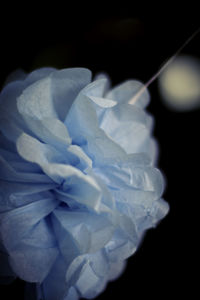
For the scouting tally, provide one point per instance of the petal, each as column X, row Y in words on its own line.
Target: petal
column 96, row 229
column 120, row 250
column 5, row 270
column 7, row 145
column 36, row 100
column 72, row 294
column 49, row 130
column 67, row 243
column 116, row 269
column 54, row 286
column 85, row 161
column 81, row 120
column 18, row 222
column 9, row 129
column 15, row 76
column 8, row 105
column 35, row 253
column 89, row 284
column 29, row 239
column 124, row 92
column 82, row 123
column 81, row 188
column 38, row 75
column 7, row 172
column 82, row 111
column 32, row 264
column 158, row 211
column 96, row 88
column 42, row 154
column 88, row 274
column 129, row 127
column 66, row 84
column 18, row 194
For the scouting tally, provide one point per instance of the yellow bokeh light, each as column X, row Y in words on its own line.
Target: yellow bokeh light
column 180, row 84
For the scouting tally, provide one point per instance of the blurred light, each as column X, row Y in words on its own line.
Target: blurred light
column 179, row 84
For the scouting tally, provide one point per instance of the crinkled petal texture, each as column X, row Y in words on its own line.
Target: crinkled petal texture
column 78, row 185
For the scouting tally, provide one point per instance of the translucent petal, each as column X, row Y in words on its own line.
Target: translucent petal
column 36, row 100
column 29, row 240
column 96, row 88
column 18, row 74
column 16, row 223
column 31, row 263
column 69, row 247
column 8, row 105
column 96, row 228
column 54, row 286
column 129, row 127
column 88, row 282
column 119, row 248
column 42, row 154
column 66, row 84
column 92, row 274
column 82, row 123
column 50, row 131
column 5, row 270
column 9, row 129
column 6, row 144
column 116, row 269
column 38, row 75
column 17, row 194
column 123, row 93
column 7, row 172
column 72, row 294
column 85, row 160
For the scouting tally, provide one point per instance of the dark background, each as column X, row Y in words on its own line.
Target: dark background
column 127, row 44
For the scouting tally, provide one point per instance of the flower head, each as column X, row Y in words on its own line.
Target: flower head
column 78, row 185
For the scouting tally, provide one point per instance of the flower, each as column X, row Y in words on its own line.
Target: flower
column 78, row 183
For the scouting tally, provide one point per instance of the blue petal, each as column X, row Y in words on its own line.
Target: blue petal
column 29, row 239
column 42, row 154
column 72, row 294
column 116, row 269
column 82, row 123
column 8, row 105
column 15, row 76
column 129, row 127
column 88, row 274
column 18, row 194
column 49, row 130
column 66, row 84
column 54, row 286
column 120, row 249
column 95, row 229
column 38, row 75
column 7, row 145
column 124, row 92
column 16, row 223
column 31, row 263
column 6, row 273
column 9, row 129
column 7, row 172
column 36, row 100
column 85, row 161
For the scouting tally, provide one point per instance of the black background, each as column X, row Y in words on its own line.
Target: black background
column 126, row 44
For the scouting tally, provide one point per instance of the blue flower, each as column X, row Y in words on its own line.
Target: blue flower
column 78, row 183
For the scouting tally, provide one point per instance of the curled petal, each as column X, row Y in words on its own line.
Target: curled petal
column 66, row 85
column 36, row 100
column 127, row 90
